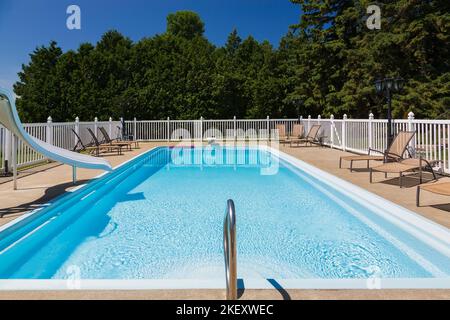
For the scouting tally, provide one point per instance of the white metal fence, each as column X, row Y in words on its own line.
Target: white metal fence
column 355, row 135
column 57, row 133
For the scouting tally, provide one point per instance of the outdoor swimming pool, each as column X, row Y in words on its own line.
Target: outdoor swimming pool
column 160, row 216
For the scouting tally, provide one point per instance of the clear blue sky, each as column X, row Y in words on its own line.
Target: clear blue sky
column 26, row 24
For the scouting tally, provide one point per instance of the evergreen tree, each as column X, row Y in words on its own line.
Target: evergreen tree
column 37, row 88
column 326, row 64
column 186, row 24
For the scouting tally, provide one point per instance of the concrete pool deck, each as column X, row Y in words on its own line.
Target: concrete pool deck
column 47, row 182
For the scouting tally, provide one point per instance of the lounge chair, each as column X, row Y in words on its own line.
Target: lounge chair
column 310, row 138
column 80, row 146
column 297, row 131
column 394, row 153
column 442, row 188
column 126, row 137
column 282, row 136
column 406, row 165
column 106, row 147
column 108, row 140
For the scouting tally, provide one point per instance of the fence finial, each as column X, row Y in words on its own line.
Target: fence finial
column 96, row 119
column 345, row 116
column 371, row 116
column 49, row 119
column 319, row 117
column 77, row 119
column 411, row 115
column 332, row 117
column 110, row 119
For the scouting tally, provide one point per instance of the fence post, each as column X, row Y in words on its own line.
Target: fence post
column 77, row 129
column 201, row 129
column 268, row 128
column 8, row 149
column 95, row 126
column 309, row 122
column 234, row 128
column 168, row 129
column 49, row 133
column 14, row 159
column 320, row 133
column 448, row 143
column 370, row 131
column 412, row 143
column 122, row 128
column 110, row 127
column 332, row 131
column 135, row 129
column 344, row 133
column 410, row 121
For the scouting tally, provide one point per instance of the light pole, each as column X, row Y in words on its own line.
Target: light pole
column 388, row 86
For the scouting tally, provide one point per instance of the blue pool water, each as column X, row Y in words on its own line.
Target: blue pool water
column 161, row 217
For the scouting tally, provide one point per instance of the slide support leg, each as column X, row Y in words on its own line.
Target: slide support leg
column 74, row 174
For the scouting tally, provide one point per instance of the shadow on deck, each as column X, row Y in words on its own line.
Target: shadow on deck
column 50, row 194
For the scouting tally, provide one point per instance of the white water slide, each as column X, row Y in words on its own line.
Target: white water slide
column 10, row 120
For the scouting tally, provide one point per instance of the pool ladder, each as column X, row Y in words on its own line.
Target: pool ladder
column 229, row 247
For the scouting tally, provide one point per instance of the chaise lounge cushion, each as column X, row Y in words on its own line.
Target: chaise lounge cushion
column 442, row 188
column 362, row 157
column 395, row 167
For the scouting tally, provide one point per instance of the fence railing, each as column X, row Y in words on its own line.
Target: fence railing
column 355, row 135
column 56, row 133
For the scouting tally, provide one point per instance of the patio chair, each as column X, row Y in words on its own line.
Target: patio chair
column 282, row 136
column 310, row 138
column 108, row 140
column 394, row 153
column 442, row 188
column 80, row 146
column 106, row 147
column 406, row 165
column 297, row 131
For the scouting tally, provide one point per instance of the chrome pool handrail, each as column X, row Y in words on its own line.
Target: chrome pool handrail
column 229, row 246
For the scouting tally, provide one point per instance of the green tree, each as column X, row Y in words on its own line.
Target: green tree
column 339, row 58
column 186, row 24
column 326, row 64
column 37, row 88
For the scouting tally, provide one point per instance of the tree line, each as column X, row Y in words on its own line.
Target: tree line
column 326, row 64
